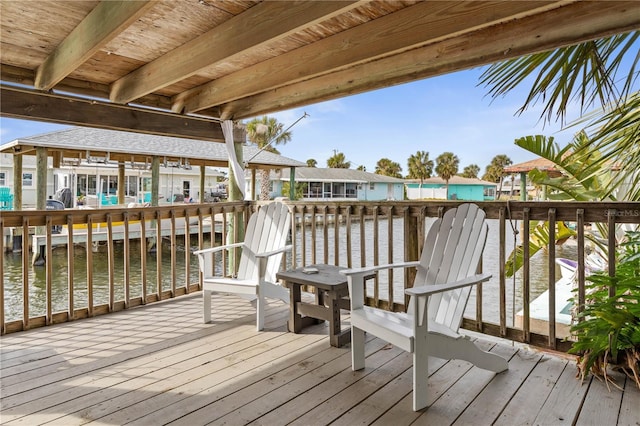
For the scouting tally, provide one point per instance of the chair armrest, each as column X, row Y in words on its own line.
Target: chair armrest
column 366, row 270
column 218, row 248
column 427, row 290
column 274, row 252
column 356, row 278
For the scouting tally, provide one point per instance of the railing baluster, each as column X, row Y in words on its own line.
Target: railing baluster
column 3, row 330
column 526, row 330
column 143, row 257
column 110, row 261
column 376, row 256
column 126, row 252
column 187, row 252
column 336, row 236
column 552, row 278
column 390, row 252
column 158, row 255
column 48, row 273
column 348, row 232
column 71, row 312
column 502, row 258
column 172, row 237
column 303, row 237
column 89, row 252
column 25, row 273
column 581, row 259
column 325, row 233
column 314, row 235
column 611, row 249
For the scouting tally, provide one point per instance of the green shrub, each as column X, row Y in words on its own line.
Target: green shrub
column 608, row 331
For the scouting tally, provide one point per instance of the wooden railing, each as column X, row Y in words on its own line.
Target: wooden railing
column 349, row 234
column 114, row 232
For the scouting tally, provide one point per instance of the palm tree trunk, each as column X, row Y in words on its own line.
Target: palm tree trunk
column 264, row 185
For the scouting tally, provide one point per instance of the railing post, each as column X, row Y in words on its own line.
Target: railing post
column 411, row 248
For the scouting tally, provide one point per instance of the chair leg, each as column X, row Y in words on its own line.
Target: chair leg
column 206, row 306
column 420, row 380
column 260, row 312
column 357, row 349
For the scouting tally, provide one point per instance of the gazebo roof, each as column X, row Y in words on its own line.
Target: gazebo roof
column 541, row 164
column 172, row 67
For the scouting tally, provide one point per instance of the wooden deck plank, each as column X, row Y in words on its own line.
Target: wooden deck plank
column 160, row 364
column 309, row 391
column 601, row 404
column 496, row 395
column 630, row 407
column 534, row 392
column 275, row 378
column 449, row 405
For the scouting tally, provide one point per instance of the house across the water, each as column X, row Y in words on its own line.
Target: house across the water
column 318, row 184
column 460, row 188
column 87, row 162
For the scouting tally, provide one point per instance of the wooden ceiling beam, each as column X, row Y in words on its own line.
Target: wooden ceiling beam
column 32, row 105
column 415, row 26
column 100, row 26
column 590, row 20
column 263, row 23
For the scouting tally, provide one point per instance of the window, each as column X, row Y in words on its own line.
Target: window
column 27, row 179
column 3, row 178
column 351, row 190
column 372, row 186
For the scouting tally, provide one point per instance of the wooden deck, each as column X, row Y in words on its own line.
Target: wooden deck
column 159, row 364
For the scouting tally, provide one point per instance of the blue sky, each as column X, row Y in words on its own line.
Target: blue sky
column 445, row 113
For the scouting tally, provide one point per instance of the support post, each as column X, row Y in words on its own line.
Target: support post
column 121, row 182
column 203, row 169
column 292, row 184
column 17, row 200
column 523, row 186
column 236, row 224
column 38, row 257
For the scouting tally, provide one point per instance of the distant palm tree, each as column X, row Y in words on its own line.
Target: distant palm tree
column 419, row 165
column 495, row 171
column 266, row 132
column 471, row 171
column 361, row 168
column 311, row 162
column 447, row 167
column 386, row 167
column 338, row 161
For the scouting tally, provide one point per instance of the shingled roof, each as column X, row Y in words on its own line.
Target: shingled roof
column 80, row 142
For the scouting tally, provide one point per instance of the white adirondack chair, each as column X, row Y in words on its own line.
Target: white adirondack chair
column 445, row 273
column 262, row 250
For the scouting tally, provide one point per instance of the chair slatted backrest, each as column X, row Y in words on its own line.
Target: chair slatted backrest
column 266, row 231
column 452, row 250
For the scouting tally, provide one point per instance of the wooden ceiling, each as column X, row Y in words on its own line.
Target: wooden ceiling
column 168, row 67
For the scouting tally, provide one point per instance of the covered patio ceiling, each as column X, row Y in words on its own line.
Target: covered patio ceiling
column 177, row 67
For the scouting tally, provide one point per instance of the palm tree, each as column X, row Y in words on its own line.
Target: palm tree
column 419, row 165
column 362, row 168
column 587, row 74
column 471, row 171
column 447, row 167
column 386, row 167
column 338, row 161
column 495, row 171
column 311, row 162
column 266, row 132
